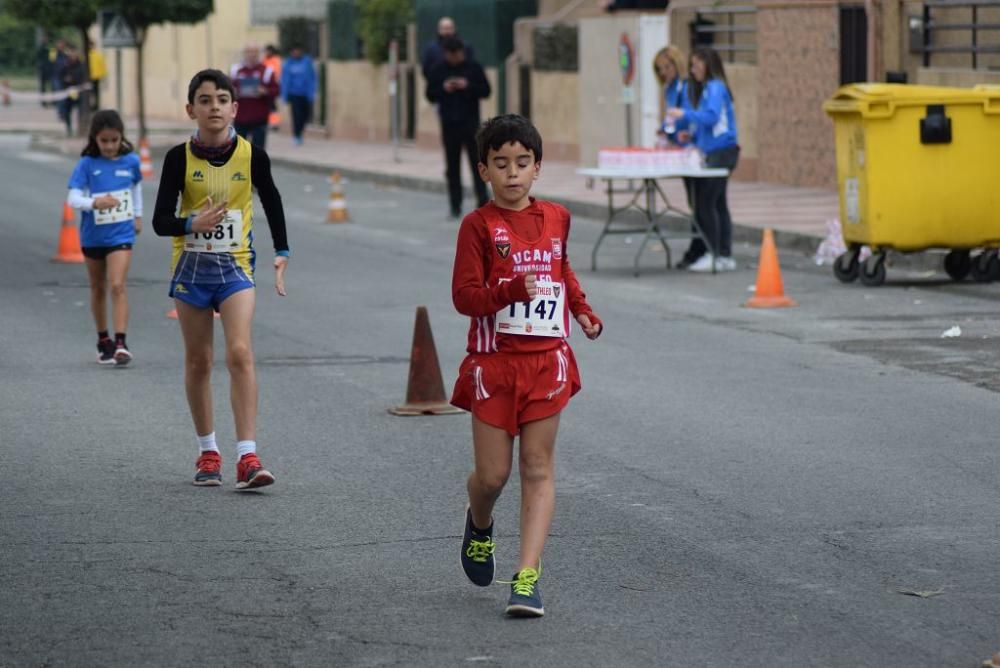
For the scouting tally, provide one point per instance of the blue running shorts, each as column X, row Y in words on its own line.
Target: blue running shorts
column 207, row 296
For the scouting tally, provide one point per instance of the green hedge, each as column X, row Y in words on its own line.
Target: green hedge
column 487, row 25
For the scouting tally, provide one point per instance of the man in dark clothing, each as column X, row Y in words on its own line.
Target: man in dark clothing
column 434, row 51
column 71, row 73
column 456, row 85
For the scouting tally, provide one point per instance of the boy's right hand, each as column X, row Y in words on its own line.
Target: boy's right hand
column 529, row 285
column 105, row 202
column 209, row 216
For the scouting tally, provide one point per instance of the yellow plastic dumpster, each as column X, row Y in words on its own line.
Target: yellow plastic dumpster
column 918, row 167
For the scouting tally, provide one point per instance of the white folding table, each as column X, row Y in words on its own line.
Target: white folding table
column 645, row 199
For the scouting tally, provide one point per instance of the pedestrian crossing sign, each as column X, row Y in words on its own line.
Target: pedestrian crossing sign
column 116, row 33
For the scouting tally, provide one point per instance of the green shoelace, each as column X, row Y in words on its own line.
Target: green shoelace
column 524, row 582
column 480, row 550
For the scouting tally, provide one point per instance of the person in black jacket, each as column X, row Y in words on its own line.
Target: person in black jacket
column 434, row 51
column 456, row 85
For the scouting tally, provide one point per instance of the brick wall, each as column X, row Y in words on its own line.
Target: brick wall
column 798, row 59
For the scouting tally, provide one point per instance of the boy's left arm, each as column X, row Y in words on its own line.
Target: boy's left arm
column 592, row 325
column 270, row 199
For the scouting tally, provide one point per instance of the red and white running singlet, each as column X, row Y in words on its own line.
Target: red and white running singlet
column 543, row 322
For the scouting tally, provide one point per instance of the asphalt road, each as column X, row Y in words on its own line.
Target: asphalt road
column 735, row 487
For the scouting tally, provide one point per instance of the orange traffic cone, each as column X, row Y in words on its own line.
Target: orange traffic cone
column 338, row 205
column 770, row 291
column 425, row 388
column 145, row 161
column 69, row 239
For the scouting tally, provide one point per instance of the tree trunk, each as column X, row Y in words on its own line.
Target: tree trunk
column 140, row 40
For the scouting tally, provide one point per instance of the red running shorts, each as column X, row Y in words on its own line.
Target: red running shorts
column 507, row 390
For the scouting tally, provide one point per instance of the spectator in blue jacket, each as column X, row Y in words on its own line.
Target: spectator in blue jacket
column 298, row 89
column 711, row 125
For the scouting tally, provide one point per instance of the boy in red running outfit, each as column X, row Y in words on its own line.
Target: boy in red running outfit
column 512, row 278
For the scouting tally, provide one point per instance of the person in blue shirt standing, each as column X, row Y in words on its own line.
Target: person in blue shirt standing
column 667, row 66
column 298, row 88
column 711, row 125
column 105, row 187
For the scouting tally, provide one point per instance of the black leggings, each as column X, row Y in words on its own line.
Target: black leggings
column 712, row 207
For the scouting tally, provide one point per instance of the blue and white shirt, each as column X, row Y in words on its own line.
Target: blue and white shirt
column 712, row 123
column 99, row 176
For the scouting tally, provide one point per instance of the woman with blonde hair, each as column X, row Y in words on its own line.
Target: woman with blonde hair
column 667, row 66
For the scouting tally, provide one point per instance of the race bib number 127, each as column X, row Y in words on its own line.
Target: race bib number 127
column 542, row 316
column 118, row 214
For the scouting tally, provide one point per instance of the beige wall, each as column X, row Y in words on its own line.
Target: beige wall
column 358, row 103
column 743, row 83
column 173, row 53
column 555, row 112
column 795, row 137
column 955, row 78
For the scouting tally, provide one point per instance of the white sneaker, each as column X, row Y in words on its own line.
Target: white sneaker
column 704, row 264
column 725, row 263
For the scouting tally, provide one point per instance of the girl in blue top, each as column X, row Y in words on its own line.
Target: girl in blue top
column 711, row 124
column 105, row 187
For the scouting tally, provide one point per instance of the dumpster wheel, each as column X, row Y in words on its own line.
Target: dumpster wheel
column 957, row 264
column 986, row 266
column 847, row 267
column 873, row 270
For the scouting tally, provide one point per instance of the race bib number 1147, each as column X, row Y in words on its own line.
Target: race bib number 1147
column 542, row 316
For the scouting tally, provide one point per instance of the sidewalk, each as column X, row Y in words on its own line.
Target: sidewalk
column 797, row 215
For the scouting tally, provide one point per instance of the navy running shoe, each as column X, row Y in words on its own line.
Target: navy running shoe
column 477, row 553
column 525, row 595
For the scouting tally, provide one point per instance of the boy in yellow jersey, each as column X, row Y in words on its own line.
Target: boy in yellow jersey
column 214, row 175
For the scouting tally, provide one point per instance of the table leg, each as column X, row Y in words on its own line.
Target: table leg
column 607, row 224
column 649, row 188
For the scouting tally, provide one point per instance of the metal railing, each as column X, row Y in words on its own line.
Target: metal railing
column 923, row 35
column 720, row 28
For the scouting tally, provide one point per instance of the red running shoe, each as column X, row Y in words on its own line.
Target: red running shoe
column 251, row 474
column 209, row 467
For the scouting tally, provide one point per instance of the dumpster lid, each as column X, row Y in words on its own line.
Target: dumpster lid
column 878, row 100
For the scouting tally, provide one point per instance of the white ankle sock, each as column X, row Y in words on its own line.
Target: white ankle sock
column 207, row 443
column 245, row 448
